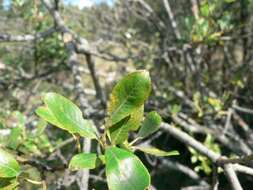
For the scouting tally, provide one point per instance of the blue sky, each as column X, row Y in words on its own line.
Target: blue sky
column 79, row 3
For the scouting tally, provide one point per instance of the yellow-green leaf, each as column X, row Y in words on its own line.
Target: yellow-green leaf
column 157, row 152
column 128, row 96
column 9, row 167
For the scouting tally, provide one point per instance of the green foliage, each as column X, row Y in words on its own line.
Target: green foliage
column 8, row 184
column 207, row 27
column 28, row 142
column 125, row 113
column 128, row 96
column 64, row 114
column 9, row 167
column 157, row 152
column 204, row 163
column 150, row 125
column 84, row 160
column 125, row 171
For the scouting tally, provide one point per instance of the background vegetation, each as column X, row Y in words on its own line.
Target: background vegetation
column 198, row 53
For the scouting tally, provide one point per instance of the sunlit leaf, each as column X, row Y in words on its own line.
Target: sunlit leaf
column 64, row 114
column 128, row 95
column 125, row 171
column 9, row 167
column 157, row 152
column 85, row 160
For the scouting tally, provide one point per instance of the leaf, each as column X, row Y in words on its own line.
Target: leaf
column 128, row 95
column 124, row 170
column 64, row 114
column 19, row 118
column 119, row 132
column 14, row 137
column 157, row 152
column 204, row 9
column 150, row 125
column 40, row 128
column 9, row 167
column 84, row 160
column 8, row 183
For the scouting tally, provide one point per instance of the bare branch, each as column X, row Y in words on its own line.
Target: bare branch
column 26, row 38
column 231, row 176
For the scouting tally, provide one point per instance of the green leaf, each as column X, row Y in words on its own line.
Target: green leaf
column 64, row 114
column 157, row 152
column 204, row 9
column 84, row 160
column 119, row 132
column 150, row 125
column 9, row 167
column 8, row 183
column 124, row 170
column 128, row 95
column 19, row 118
column 40, row 128
column 14, row 137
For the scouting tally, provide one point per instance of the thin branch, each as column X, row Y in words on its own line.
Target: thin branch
column 231, row 176
column 243, row 169
column 183, row 169
column 27, row 37
column 214, row 157
column 242, row 109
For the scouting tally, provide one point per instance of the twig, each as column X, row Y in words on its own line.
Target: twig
column 27, row 37
column 214, row 157
column 243, row 169
column 183, row 169
column 231, row 176
column 215, row 181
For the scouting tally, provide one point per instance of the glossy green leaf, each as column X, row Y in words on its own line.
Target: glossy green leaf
column 150, row 125
column 124, row 170
column 128, row 95
column 9, row 167
column 157, row 152
column 64, row 114
column 84, row 160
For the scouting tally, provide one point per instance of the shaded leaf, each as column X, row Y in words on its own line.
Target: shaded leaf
column 8, row 183
column 119, row 131
column 13, row 139
column 64, row 114
column 157, row 152
column 150, row 125
column 9, row 167
column 128, row 95
column 84, row 160
column 124, row 170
